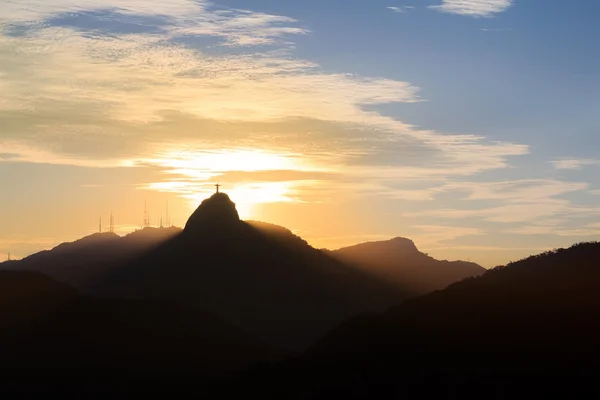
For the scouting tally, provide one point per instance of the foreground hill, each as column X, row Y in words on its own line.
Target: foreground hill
column 84, row 261
column 259, row 277
column 526, row 330
column 399, row 261
column 49, row 332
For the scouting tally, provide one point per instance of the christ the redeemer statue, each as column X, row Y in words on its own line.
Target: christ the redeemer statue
column 217, row 186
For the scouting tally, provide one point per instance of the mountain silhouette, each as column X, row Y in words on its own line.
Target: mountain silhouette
column 399, row 261
column 49, row 332
column 528, row 329
column 84, row 261
column 218, row 212
column 257, row 276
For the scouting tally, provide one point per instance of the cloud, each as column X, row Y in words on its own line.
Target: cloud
column 130, row 70
column 435, row 235
column 525, row 190
column 399, row 9
column 34, row 154
column 180, row 18
column 591, row 229
column 132, row 84
column 568, row 163
column 521, row 201
column 474, row 8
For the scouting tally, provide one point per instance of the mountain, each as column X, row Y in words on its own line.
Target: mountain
column 87, row 260
column 526, row 330
column 49, row 332
column 399, row 261
column 257, row 276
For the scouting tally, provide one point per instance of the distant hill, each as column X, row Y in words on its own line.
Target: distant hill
column 526, row 330
column 399, row 261
column 257, row 276
column 53, row 338
column 86, row 260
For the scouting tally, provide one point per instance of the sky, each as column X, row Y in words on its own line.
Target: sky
column 469, row 126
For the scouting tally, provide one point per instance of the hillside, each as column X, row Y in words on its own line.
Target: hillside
column 528, row 329
column 48, row 332
column 398, row 260
column 84, row 261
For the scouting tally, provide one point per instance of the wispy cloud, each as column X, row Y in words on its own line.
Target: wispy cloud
column 474, row 8
column 523, row 201
column 592, row 229
column 436, row 235
column 574, row 163
column 400, row 9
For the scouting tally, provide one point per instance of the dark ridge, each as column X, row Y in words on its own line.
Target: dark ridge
column 82, row 262
column 49, row 332
column 529, row 329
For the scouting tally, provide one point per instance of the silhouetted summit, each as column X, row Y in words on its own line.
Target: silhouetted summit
column 399, row 261
column 257, row 276
column 215, row 213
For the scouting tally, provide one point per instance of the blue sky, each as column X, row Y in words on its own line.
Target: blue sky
column 469, row 126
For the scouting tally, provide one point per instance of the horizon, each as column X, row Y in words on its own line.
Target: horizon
column 466, row 126
column 122, row 233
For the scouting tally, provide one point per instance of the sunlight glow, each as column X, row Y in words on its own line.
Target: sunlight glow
column 193, row 174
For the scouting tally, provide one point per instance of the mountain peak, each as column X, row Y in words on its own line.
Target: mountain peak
column 405, row 243
column 216, row 211
column 398, row 245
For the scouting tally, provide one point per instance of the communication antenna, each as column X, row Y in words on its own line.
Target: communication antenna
column 146, row 215
column 100, row 225
column 9, row 256
column 168, row 216
column 112, row 223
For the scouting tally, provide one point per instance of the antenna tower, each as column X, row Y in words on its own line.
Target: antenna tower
column 100, row 225
column 168, row 216
column 146, row 215
column 112, row 223
column 9, row 256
